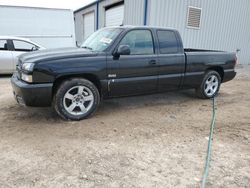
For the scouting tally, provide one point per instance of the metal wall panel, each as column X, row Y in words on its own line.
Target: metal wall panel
column 225, row 24
column 114, row 16
column 133, row 12
column 79, row 26
column 102, row 10
column 88, row 24
column 52, row 28
column 101, row 17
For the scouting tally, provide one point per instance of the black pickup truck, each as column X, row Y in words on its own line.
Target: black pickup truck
column 114, row 62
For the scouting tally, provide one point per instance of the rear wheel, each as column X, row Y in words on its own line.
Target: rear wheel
column 76, row 99
column 210, row 85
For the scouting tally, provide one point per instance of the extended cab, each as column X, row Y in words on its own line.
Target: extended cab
column 114, row 62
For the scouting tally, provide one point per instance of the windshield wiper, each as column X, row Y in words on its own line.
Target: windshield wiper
column 87, row 47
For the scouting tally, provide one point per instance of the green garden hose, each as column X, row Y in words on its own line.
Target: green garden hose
column 209, row 148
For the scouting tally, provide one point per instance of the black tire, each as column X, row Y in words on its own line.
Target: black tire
column 200, row 91
column 65, row 87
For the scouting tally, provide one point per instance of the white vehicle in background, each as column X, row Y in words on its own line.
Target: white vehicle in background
column 11, row 48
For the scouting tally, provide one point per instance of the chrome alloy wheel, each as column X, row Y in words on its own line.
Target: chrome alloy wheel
column 78, row 100
column 211, row 85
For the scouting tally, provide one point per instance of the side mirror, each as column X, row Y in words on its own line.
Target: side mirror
column 34, row 48
column 78, row 45
column 123, row 50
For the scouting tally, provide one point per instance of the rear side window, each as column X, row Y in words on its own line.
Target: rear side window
column 167, row 42
column 23, row 46
column 140, row 42
column 3, row 45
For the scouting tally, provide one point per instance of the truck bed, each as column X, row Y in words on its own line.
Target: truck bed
column 200, row 60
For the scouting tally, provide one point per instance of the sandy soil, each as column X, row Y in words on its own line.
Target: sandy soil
column 148, row 141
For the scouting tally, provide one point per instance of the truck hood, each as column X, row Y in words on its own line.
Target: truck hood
column 54, row 54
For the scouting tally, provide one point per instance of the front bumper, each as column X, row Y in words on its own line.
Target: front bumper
column 37, row 95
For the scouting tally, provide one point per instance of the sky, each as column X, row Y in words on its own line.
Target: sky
column 68, row 4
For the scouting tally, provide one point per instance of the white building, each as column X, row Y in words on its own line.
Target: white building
column 204, row 24
column 51, row 28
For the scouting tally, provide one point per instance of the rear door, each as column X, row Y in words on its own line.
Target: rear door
column 6, row 58
column 171, row 60
column 136, row 73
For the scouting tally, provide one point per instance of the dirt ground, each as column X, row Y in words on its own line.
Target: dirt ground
column 147, row 141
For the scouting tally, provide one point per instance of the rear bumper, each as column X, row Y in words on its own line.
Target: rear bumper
column 36, row 95
column 229, row 75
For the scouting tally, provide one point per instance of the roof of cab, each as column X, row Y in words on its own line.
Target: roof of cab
column 141, row 27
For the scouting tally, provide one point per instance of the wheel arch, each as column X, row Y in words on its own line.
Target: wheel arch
column 91, row 77
column 218, row 69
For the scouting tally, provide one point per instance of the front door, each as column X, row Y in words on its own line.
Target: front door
column 136, row 73
column 6, row 58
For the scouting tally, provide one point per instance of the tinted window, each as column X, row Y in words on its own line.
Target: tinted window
column 23, row 46
column 168, row 42
column 3, row 45
column 139, row 42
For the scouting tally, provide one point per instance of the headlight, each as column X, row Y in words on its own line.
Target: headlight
column 27, row 78
column 28, row 67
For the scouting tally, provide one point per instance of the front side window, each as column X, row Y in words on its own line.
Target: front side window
column 101, row 39
column 3, row 45
column 167, row 42
column 23, row 46
column 140, row 42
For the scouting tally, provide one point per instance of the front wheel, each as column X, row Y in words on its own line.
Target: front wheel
column 76, row 99
column 210, row 85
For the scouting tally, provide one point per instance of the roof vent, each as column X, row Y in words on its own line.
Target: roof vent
column 194, row 17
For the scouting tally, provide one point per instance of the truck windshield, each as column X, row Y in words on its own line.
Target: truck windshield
column 101, row 39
